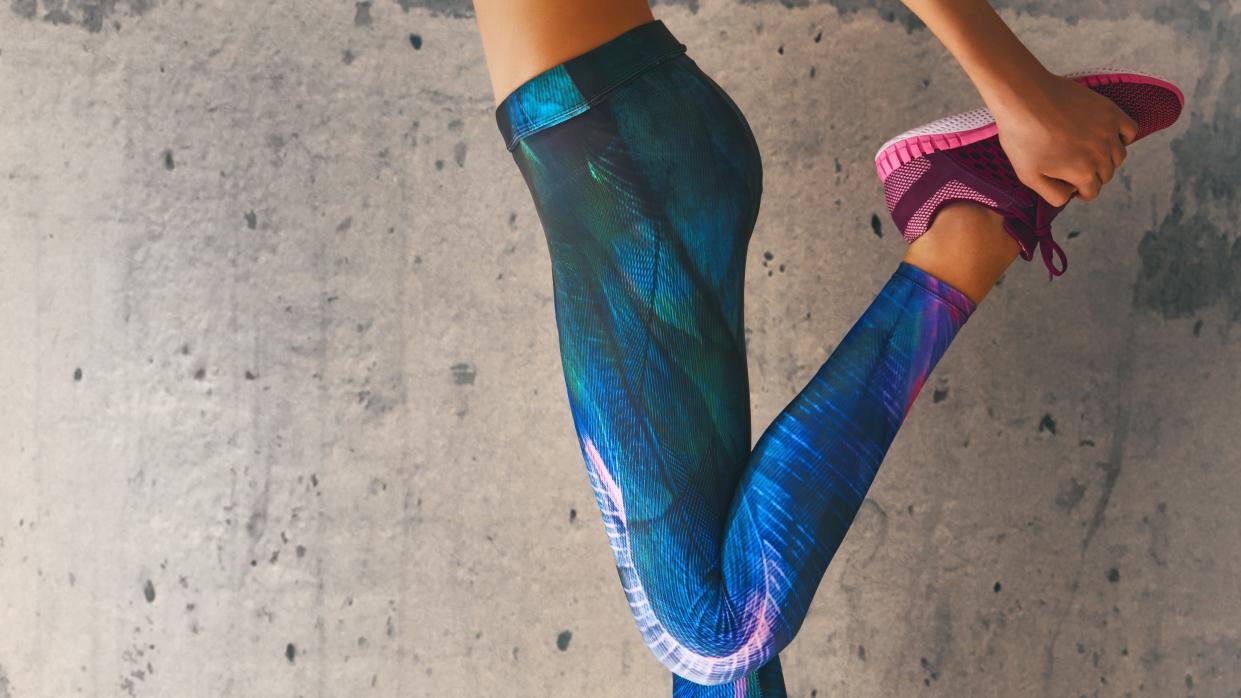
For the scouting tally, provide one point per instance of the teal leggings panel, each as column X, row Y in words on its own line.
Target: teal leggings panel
column 648, row 199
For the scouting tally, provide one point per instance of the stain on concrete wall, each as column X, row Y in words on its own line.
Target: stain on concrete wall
column 1191, row 261
column 92, row 15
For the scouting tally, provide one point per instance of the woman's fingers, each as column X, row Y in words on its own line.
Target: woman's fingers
column 1054, row 191
column 1118, row 151
column 1088, row 188
column 1083, row 174
column 1128, row 128
column 1106, row 167
column 1094, row 167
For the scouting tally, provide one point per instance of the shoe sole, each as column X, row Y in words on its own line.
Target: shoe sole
column 973, row 126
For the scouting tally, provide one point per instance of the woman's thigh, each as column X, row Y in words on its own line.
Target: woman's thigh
column 648, row 200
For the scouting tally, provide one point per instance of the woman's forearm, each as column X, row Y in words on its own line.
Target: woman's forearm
column 1000, row 66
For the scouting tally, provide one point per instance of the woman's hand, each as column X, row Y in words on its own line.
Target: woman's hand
column 1063, row 137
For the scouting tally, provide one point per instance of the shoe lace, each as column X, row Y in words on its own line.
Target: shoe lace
column 1047, row 245
column 1039, row 225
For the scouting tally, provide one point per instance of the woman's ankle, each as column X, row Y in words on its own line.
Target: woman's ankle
column 966, row 247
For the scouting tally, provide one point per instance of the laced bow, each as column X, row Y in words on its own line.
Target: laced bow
column 1040, row 229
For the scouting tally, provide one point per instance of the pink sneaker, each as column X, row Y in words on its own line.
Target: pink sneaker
column 958, row 158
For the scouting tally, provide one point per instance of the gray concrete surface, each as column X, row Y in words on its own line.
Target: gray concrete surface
column 280, row 404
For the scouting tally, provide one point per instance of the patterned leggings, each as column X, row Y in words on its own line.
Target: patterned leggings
column 647, row 179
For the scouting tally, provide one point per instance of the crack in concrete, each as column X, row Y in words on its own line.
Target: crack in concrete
column 1111, row 469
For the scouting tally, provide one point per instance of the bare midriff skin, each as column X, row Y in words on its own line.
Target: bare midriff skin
column 1061, row 137
column 522, row 38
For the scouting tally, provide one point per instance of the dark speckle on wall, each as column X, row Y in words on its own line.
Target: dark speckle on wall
column 463, row 374
column 415, row 40
column 257, row 522
column 77, row 374
column 362, row 14
column 1113, row 575
column 168, row 163
column 562, row 640
column 290, row 652
column 932, row 673
column 1047, row 424
column 875, row 225
column 148, row 591
column 1070, row 494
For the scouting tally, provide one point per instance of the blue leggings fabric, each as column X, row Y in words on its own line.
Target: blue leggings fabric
column 647, row 180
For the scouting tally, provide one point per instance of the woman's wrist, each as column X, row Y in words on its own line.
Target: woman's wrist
column 1022, row 87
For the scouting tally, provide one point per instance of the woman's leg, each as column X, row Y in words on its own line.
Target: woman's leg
column 647, row 181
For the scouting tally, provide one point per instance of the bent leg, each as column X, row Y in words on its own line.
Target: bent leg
column 805, row 482
column 648, row 192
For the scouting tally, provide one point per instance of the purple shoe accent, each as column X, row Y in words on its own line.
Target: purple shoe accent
column 1027, row 216
column 978, row 173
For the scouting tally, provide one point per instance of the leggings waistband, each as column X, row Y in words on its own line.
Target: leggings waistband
column 562, row 92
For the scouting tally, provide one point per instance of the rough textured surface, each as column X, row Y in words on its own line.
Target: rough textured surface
column 282, row 406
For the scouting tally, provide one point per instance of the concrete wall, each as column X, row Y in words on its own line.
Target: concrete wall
column 281, row 411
